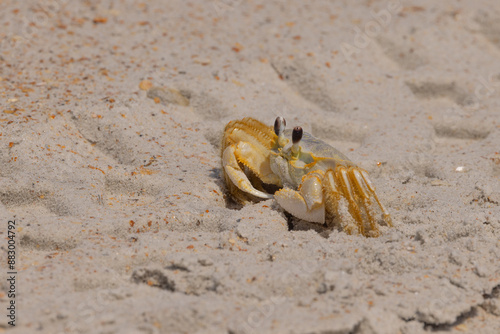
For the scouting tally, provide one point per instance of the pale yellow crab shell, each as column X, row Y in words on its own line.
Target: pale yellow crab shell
column 315, row 154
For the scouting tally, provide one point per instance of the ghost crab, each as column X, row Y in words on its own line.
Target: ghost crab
column 310, row 179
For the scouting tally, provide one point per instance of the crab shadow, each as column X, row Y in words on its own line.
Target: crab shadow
column 297, row 224
column 229, row 202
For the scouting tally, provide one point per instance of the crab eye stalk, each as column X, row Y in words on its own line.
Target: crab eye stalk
column 296, row 137
column 297, row 134
column 279, row 125
column 279, row 130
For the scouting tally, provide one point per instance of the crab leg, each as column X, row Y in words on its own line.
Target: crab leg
column 353, row 185
column 306, row 203
column 365, row 183
column 335, row 199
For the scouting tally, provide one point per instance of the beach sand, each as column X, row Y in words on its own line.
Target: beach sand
column 111, row 119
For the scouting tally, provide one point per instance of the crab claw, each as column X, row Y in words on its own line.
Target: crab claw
column 236, row 175
column 246, row 150
column 306, row 203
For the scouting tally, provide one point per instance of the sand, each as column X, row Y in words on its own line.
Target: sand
column 111, row 118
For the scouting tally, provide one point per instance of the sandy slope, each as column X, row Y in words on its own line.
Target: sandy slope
column 123, row 221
